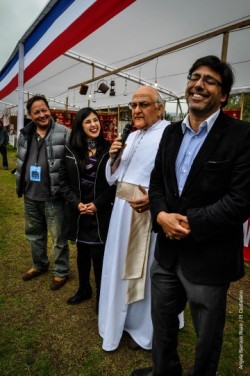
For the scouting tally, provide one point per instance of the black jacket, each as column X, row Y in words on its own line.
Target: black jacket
column 69, row 181
column 215, row 198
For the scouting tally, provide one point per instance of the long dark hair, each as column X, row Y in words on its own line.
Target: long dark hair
column 78, row 138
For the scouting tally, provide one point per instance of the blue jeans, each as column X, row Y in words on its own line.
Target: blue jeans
column 41, row 217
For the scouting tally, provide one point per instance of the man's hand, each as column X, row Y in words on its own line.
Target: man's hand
column 141, row 204
column 115, row 147
column 174, row 225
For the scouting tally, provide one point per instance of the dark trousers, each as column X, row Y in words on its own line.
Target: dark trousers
column 170, row 292
column 3, row 151
column 85, row 254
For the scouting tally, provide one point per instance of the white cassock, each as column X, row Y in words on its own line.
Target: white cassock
column 115, row 316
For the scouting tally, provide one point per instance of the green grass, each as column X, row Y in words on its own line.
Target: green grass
column 40, row 335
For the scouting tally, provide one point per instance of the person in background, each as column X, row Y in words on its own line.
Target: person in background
column 41, row 146
column 199, row 198
column 125, row 286
column 89, row 199
column 4, row 140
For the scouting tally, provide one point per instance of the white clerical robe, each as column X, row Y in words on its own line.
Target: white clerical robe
column 115, row 316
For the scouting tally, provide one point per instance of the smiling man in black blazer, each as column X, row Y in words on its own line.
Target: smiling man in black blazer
column 199, row 198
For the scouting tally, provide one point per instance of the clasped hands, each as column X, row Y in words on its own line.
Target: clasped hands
column 87, row 209
column 142, row 204
column 174, row 225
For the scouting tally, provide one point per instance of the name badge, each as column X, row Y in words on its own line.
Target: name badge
column 35, row 173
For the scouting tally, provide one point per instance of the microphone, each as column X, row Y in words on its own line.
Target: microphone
column 125, row 133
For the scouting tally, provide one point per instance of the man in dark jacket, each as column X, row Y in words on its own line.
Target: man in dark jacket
column 199, row 198
column 4, row 140
column 41, row 146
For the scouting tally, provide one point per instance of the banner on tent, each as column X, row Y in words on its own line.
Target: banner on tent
column 246, row 233
column 109, row 125
column 108, row 121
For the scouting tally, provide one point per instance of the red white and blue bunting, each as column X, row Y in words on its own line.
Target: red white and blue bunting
column 66, row 24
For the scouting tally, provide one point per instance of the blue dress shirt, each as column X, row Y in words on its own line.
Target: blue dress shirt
column 190, row 146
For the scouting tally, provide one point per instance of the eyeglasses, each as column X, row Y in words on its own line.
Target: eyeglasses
column 143, row 105
column 194, row 77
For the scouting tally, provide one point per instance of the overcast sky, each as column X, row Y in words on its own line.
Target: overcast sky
column 16, row 16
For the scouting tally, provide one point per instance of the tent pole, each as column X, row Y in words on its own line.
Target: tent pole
column 93, row 76
column 224, row 46
column 20, row 113
column 118, row 120
column 242, row 98
column 178, row 106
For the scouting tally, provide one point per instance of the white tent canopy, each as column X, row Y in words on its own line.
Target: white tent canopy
column 152, row 41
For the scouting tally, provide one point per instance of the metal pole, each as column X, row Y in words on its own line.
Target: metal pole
column 20, row 113
column 224, row 46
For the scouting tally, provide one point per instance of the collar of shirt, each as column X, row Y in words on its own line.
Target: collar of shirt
column 209, row 122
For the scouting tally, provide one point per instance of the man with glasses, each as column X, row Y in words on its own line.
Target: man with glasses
column 199, row 198
column 41, row 146
column 125, row 287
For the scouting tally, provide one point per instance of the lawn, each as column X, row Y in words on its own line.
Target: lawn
column 43, row 336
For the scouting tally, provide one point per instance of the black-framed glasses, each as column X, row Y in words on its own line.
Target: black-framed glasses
column 194, row 77
column 143, row 105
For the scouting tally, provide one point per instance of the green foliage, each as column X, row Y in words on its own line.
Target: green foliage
column 235, row 102
column 246, row 107
column 169, row 117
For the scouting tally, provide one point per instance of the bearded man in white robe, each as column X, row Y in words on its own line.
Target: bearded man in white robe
column 125, row 287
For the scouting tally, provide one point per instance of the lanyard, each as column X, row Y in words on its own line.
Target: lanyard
column 39, row 142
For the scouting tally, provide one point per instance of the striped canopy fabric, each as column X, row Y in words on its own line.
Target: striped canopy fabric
column 131, row 43
column 67, row 23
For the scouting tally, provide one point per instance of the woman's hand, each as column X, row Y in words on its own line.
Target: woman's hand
column 87, row 209
column 91, row 209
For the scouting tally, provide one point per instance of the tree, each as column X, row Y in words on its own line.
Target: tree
column 236, row 101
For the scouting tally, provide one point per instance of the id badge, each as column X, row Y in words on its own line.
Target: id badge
column 35, row 173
